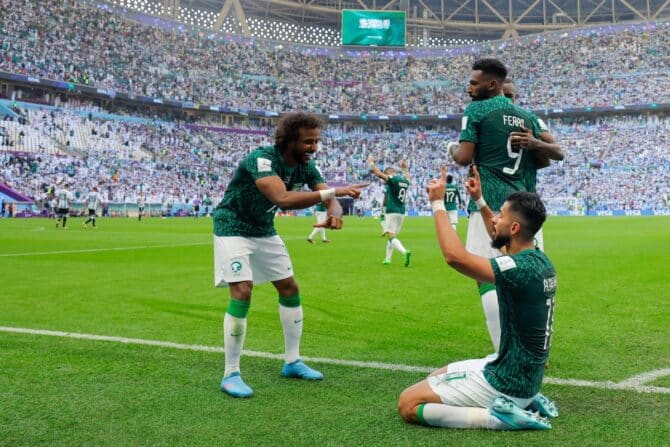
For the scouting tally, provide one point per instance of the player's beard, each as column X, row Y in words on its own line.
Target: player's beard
column 300, row 157
column 500, row 241
column 479, row 97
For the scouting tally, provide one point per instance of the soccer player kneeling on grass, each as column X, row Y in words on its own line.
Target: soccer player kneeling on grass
column 247, row 249
column 494, row 395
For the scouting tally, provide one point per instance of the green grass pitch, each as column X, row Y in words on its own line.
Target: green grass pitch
column 153, row 280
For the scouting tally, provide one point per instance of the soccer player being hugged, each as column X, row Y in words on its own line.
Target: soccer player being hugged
column 395, row 199
column 490, row 128
column 321, row 215
column 483, row 393
column 541, row 155
column 247, row 249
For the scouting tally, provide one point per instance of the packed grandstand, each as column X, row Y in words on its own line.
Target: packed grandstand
column 617, row 162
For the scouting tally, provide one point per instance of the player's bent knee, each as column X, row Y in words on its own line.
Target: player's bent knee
column 287, row 287
column 241, row 290
column 407, row 406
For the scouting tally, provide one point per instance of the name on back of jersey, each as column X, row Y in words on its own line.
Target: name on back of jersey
column 511, row 120
column 550, row 284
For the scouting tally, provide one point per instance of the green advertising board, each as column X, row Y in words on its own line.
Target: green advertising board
column 373, row 28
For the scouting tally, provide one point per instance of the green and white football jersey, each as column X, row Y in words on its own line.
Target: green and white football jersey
column 526, row 285
column 502, row 169
column 451, row 196
column 244, row 210
column 396, row 194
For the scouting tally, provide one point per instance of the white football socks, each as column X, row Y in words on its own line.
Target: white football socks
column 234, row 331
column 291, row 322
column 395, row 242
column 316, row 231
column 389, row 251
column 449, row 416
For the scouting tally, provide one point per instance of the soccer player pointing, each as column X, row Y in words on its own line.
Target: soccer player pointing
column 247, row 249
column 474, row 393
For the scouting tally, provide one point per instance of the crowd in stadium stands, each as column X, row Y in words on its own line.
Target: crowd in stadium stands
column 161, row 159
column 615, row 163
column 81, row 43
column 619, row 163
column 611, row 163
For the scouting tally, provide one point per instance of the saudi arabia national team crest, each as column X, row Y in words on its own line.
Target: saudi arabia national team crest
column 236, row 267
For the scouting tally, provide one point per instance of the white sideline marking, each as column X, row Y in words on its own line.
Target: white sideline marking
column 95, row 250
column 635, row 383
column 646, row 377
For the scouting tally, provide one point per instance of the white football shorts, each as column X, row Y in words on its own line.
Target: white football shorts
column 471, row 364
column 257, row 259
column 393, row 222
column 453, row 216
column 321, row 216
column 469, row 388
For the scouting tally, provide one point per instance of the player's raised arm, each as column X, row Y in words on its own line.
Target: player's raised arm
column 454, row 252
column 405, row 169
column 375, row 170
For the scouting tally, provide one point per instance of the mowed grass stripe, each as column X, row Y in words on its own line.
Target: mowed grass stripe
column 633, row 384
column 94, row 250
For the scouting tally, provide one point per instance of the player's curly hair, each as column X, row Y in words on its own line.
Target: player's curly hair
column 289, row 125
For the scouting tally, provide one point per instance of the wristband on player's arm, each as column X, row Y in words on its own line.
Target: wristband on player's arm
column 481, row 203
column 437, row 205
column 327, row 194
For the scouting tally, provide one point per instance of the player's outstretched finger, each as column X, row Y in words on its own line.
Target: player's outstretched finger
column 443, row 174
column 360, row 185
column 475, row 172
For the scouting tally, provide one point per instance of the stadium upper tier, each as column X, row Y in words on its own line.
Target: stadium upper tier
column 610, row 164
column 76, row 42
